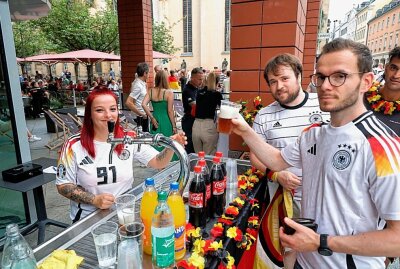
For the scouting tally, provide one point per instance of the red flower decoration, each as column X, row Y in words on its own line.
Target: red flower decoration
column 217, row 231
column 185, row 265
column 224, row 221
column 232, row 211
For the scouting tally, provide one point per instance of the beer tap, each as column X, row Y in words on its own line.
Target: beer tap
column 154, row 140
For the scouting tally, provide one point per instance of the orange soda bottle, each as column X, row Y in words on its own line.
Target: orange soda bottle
column 147, row 207
column 175, row 203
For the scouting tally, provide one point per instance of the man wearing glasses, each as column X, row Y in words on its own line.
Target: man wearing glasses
column 384, row 99
column 346, row 182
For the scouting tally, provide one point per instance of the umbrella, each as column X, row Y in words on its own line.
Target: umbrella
column 160, row 55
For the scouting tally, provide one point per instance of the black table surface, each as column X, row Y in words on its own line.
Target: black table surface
column 33, row 182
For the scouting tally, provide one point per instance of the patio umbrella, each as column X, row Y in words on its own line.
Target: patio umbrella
column 160, row 55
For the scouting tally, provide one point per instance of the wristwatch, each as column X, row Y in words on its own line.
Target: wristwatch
column 323, row 246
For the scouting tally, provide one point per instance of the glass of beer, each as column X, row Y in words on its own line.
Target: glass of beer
column 228, row 111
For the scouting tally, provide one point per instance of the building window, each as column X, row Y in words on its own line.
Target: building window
column 390, row 42
column 99, row 69
column 396, row 41
column 394, row 19
column 187, row 26
column 227, row 39
column 379, row 24
column 387, row 21
column 383, row 22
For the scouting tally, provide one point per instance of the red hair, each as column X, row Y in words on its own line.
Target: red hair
column 87, row 132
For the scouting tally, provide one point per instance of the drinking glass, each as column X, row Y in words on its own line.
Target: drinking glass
column 105, row 241
column 130, row 249
column 126, row 208
column 228, row 111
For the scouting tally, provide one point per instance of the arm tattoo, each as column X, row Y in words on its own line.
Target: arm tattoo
column 77, row 194
column 161, row 156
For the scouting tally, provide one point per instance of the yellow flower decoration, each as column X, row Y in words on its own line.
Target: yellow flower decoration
column 198, row 246
column 231, row 233
column 231, row 261
column 216, row 245
column 197, row 260
column 239, row 201
column 218, row 224
column 226, row 217
column 194, row 232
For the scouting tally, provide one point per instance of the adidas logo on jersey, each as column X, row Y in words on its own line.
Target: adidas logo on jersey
column 86, row 160
column 277, row 124
column 313, row 150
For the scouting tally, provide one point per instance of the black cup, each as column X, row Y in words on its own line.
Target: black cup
column 309, row 223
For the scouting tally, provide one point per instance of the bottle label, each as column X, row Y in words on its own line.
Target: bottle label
column 164, row 250
column 208, row 192
column 196, row 200
column 179, row 238
column 218, row 187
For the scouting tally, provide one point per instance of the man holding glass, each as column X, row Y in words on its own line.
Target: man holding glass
column 345, row 183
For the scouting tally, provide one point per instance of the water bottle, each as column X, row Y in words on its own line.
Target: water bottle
column 231, row 181
column 162, row 234
column 17, row 253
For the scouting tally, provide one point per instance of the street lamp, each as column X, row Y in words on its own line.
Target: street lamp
column 334, row 28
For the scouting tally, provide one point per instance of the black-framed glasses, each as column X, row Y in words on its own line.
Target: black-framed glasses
column 336, row 79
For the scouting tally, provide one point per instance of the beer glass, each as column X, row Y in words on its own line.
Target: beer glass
column 228, row 111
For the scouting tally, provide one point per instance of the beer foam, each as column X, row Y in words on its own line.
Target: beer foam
column 228, row 112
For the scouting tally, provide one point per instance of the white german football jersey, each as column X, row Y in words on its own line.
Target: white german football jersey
column 280, row 125
column 350, row 179
column 98, row 175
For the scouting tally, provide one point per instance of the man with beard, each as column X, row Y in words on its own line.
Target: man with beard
column 348, row 165
column 281, row 122
column 384, row 99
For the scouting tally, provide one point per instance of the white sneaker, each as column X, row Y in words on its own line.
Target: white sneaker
column 34, row 138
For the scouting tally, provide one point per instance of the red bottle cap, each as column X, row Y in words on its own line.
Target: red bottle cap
column 197, row 169
column 219, row 154
column 202, row 163
column 201, row 154
column 216, row 159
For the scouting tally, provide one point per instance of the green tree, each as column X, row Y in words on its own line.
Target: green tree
column 163, row 41
column 72, row 26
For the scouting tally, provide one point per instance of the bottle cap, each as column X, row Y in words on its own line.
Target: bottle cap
column 216, row 159
column 219, row 154
column 174, row 186
column 162, row 196
column 197, row 169
column 149, row 181
column 202, row 162
column 201, row 154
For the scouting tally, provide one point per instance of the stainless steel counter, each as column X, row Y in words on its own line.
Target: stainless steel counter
column 78, row 237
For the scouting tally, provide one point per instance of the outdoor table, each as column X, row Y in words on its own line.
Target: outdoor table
column 35, row 184
column 78, row 237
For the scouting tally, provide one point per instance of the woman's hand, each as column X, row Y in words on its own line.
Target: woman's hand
column 288, row 180
column 104, row 200
column 154, row 122
column 180, row 138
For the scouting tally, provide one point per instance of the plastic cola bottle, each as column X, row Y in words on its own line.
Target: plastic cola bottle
column 162, row 234
column 175, row 203
column 147, row 207
column 206, row 175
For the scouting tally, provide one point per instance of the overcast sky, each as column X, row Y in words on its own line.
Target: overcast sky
column 337, row 8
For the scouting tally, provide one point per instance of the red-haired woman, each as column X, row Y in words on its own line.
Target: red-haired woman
column 85, row 174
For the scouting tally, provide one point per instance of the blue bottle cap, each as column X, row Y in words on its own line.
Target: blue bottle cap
column 149, row 181
column 174, row 186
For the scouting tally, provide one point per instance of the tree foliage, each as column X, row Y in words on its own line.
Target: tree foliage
column 29, row 39
column 163, row 41
column 70, row 25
